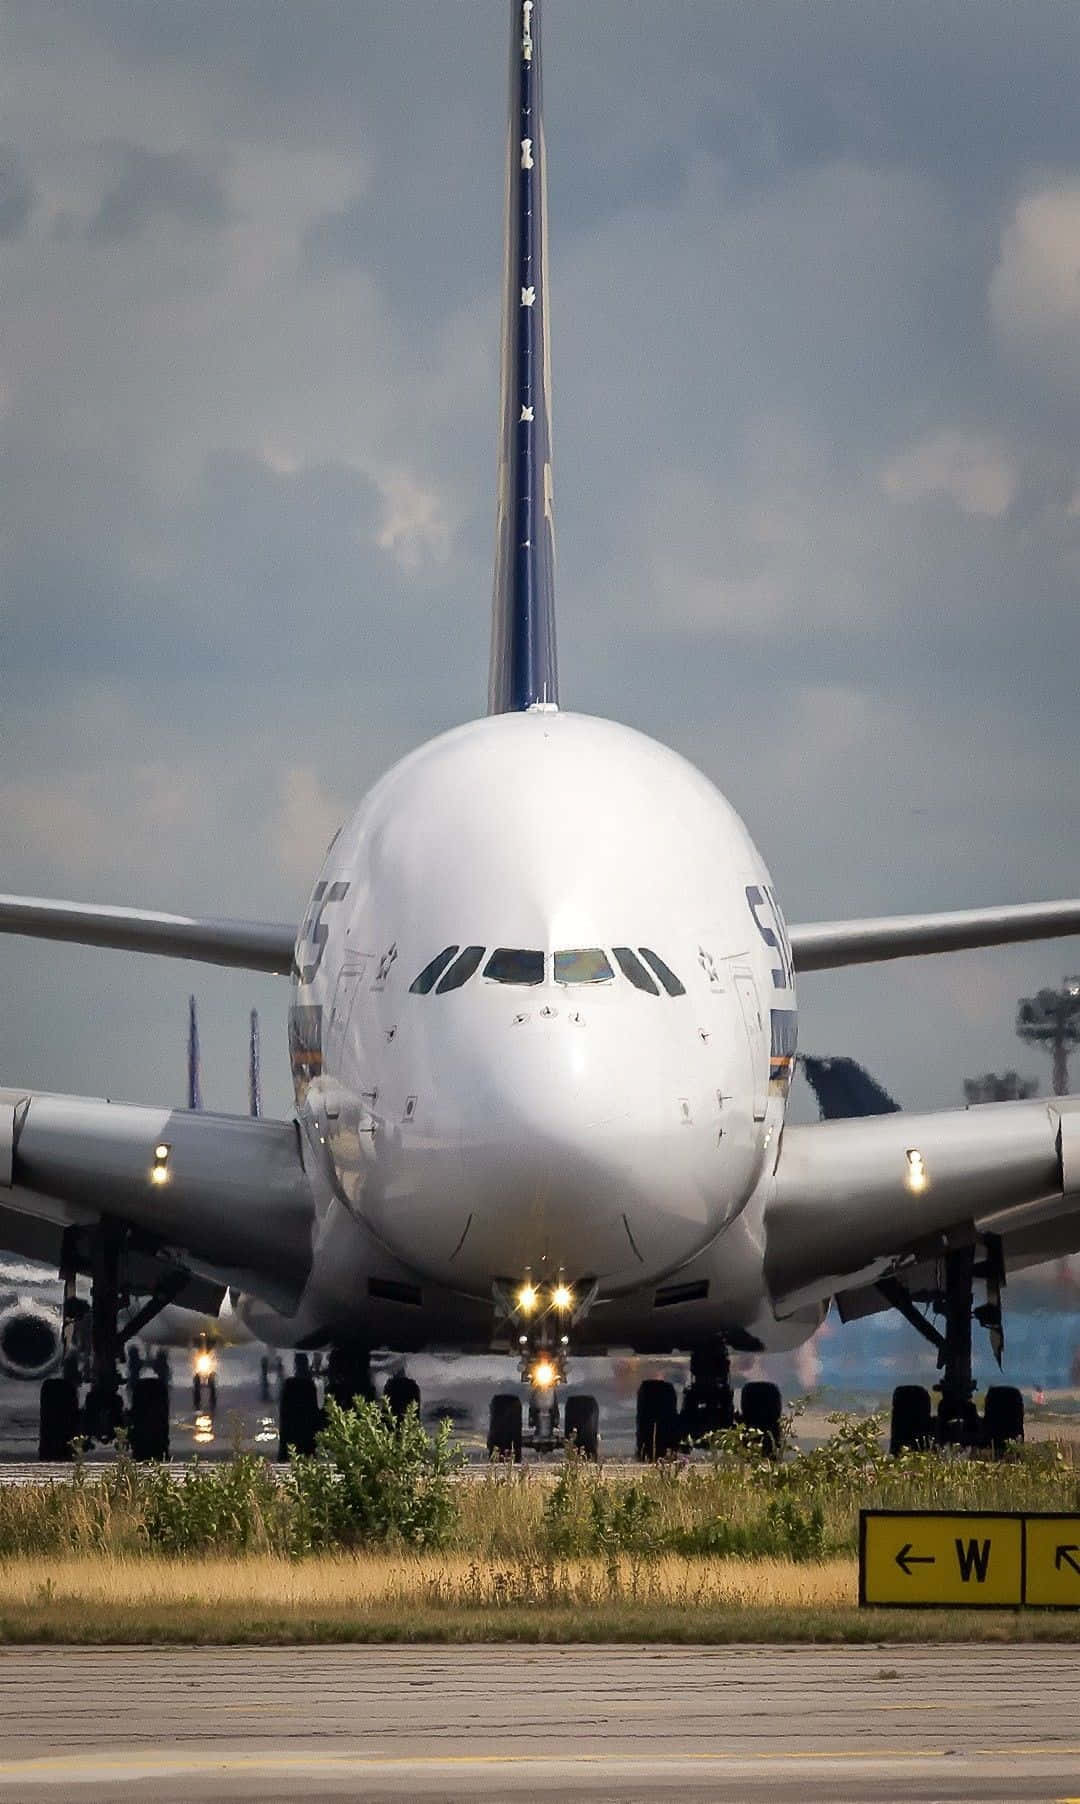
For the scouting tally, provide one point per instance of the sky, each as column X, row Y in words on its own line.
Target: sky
column 816, row 367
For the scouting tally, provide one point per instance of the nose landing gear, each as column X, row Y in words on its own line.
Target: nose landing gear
column 541, row 1314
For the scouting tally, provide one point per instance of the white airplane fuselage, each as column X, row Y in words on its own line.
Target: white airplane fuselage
column 599, row 1127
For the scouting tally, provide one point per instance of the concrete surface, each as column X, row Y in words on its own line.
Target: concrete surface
column 553, row 1723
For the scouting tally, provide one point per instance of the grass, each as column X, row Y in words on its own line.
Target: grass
column 263, row 1599
column 374, row 1541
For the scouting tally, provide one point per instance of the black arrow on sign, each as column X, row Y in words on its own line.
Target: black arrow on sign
column 905, row 1559
column 1065, row 1556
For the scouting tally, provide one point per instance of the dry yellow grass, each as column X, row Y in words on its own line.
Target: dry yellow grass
column 451, row 1581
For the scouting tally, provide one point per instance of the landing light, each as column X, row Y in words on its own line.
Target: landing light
column 204, row 1365
column 543, row 1375
column 159, row 1170
column 563, row 1297
column 527, row 1298
column 917, row 1175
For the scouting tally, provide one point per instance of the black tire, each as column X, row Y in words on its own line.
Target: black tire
column 706, row 1412
column 762, row 1408
column 656, row 1433
column 348, row 1376
column 298, row 1416
column 504, row 1427
column 581, row 1425
column 196, row 1392
column 911, row 1420
column 1004, row 1416
column 148, row 1425
column 401, row 1392
column 58, row 1419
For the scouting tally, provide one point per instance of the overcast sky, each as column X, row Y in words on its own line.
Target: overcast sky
column 816, row 357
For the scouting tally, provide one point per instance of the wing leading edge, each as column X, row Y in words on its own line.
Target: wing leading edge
column 826, row 945
column 246, row 945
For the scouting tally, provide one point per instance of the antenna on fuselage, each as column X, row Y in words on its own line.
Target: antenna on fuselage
column 524, row 665
column 194, row 1058
column 254, row 1073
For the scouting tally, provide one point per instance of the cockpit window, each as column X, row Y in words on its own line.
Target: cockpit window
column 631, row 966
column 508, row 965
column 461, row 970
column 585, row 965
column 666, row 976
column 428, row 976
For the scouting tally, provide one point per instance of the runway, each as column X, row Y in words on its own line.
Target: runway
column 632, row 1724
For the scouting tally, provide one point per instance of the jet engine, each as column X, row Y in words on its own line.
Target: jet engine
column 30, row 1344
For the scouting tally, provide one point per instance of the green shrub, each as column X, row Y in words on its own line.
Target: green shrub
column 374, row 1480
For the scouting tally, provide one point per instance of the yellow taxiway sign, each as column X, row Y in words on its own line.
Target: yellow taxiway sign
column 969, row 1559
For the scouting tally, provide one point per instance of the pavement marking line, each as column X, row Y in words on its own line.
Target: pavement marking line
column 74, row 1766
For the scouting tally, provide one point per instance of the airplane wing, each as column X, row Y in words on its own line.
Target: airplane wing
column 224, row 1199
column 862, row 1200
column 248, row 945
column 268, row 945
column 824, row 945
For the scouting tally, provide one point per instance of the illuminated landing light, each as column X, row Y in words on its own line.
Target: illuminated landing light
column 528, row 1297
column 159, row 1170
column 563, row 1297
column 205, row 1365
column 543, row 1375
column 918, row 1178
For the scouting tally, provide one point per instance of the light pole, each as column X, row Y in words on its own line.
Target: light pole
column 1052, row 1020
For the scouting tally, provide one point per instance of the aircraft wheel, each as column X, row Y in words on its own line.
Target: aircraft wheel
column 581, row 1419
column 762, row 1407
column 504, row 1427
column 911, row 1420
column 657, row 1426
column 58, row 1419
column 298, row 1416
column 148, row 1426
column 401, row 1393
column 1004, row 1417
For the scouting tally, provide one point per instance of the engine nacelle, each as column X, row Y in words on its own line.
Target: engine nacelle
column 30, row 1343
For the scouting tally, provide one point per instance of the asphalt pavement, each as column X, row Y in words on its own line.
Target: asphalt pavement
column 601, row 1723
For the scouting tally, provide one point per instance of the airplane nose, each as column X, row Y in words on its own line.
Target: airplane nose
column 577, row 1153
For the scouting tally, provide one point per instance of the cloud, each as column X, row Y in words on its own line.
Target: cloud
column 150, row 184
column 16, row 194
column 306, row 819
column 1035, row 288
column 975, row 471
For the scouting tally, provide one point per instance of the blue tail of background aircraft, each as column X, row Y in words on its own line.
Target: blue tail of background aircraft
column 524, row 666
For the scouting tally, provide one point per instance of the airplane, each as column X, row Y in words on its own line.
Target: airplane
column 542, row 1025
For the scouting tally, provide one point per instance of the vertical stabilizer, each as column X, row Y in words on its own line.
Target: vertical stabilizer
column 524, row 668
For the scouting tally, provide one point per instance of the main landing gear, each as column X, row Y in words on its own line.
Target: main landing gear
column 956, row 1421
column 708, row 1406
column 63, row 1418
column 348, row 1377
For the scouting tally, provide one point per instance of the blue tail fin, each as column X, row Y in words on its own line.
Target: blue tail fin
column 194, row 1058
column 524, row 667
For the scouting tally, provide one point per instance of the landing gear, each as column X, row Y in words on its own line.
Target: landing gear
column 762, row 1408
column 298, row 1411
column 657, row 1432
column 504, row 1427
column 581, row 1425
column 401, row 1393
column 58, row 1420
column 956, row 1422
column 148, row 1423
column 708, row 1404
column 348, row 1375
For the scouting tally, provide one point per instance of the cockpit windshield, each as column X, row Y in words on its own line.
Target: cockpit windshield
column 509, row 965
column 631, row 966
column 667, row 977
column 461, row 970
column 430, row 975
column 587, row 964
